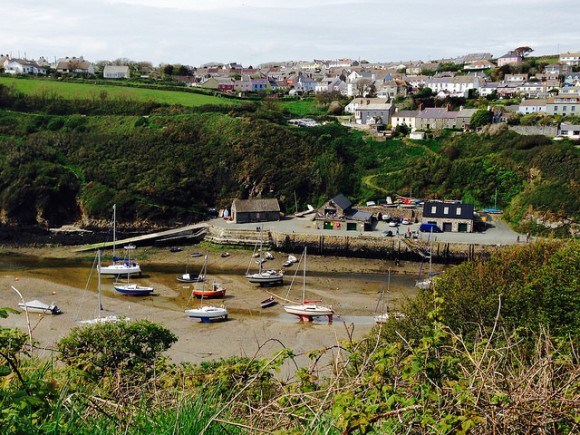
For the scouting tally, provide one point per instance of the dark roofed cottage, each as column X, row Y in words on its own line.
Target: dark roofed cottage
column 255, row 210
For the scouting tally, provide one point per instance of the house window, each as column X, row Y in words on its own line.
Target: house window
column 445, row 210
column 573, row 109
column 458, row 211
column 434, row 209
column 563, row 108
column 555, row 108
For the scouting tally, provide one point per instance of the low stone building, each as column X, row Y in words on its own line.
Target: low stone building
column 255, row 210
column 339, row 214
column 450, row 217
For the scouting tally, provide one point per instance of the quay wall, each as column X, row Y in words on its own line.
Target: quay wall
column 363, row 246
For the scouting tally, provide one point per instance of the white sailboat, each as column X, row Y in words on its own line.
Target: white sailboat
column 426, row 283
column 100, row 318
column 383, row 304
column 207, row 313
column 120, row 266
column 308, row 309
column 263, row 276
column 189, row 278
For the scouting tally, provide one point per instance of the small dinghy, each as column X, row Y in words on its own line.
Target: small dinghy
column 268, row 302
column 39, row 307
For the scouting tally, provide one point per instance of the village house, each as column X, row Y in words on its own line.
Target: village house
column 570, row 131
column 533, row 89
column 570, row 59
column 334, row 84
column 568, row 104
column 338, row 213
column 488, row 89
column 22, row 67
column 454, row 86
column 391, row 89
column 116, row 72
column 532, row 106
column 450, row 217
column 404, row 117
column 439, row 118
column 478, row 65
column 515, row 78
column 74, row 65
column 511, row 58
column 255, row 210
column 374, row 113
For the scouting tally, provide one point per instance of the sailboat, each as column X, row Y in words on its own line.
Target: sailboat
column 132, row 289
column 100, row 318
column 217, row 291
column 207, row 313
column 120, row 266
column 263, row 276
column 308, row 309
column 425, row 283
column 188, row 278
column 384, row 316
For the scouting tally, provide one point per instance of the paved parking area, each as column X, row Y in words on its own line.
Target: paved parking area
column 497, row 233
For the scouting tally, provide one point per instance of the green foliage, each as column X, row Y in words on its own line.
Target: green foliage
column 132, row 348
column 480, row 118
column 536, row 285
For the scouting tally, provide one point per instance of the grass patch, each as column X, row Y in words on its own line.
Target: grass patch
column 83, row 90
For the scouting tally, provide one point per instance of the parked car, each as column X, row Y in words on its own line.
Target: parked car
column 393, row 224
column 430, row 228
column 388, row 233
column 406, row 222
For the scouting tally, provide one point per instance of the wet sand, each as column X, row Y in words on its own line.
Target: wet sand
column 58, row 275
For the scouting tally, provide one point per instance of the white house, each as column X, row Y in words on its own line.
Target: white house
column 116, row 72
column 357, row 102
column 569, row 130
column 22, row 66
column 570, row 59
column 532, row 106
column 455, row 86
column 404, row 117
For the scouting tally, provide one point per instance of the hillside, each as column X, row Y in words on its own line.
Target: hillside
column 68, row 160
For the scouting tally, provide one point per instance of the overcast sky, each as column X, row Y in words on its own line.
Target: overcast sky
column 193, row 32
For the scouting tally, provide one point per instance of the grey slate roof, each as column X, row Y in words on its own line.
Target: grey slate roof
column 465, row 210
column 342, row 201
column 256, row 205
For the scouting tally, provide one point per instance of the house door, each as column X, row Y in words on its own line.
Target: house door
column 447, row 226
column 351, row 226
column 462, row 228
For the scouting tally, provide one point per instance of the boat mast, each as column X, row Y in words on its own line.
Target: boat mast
column 114, row 228
column 99, row 280
column 304, row 277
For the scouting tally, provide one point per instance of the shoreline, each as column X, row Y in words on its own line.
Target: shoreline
column 350, row 285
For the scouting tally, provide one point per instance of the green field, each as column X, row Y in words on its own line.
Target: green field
column 84, row 90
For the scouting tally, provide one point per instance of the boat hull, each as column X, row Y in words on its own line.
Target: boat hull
column 185, row 279
column 134, row 289
column 307, row 312
column 209, row 294
column 207, row 313
column 120, row 269
column 39, row 307
column 265, row 278
column 268, row 302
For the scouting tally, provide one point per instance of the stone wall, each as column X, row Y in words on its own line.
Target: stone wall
column 528, row 130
